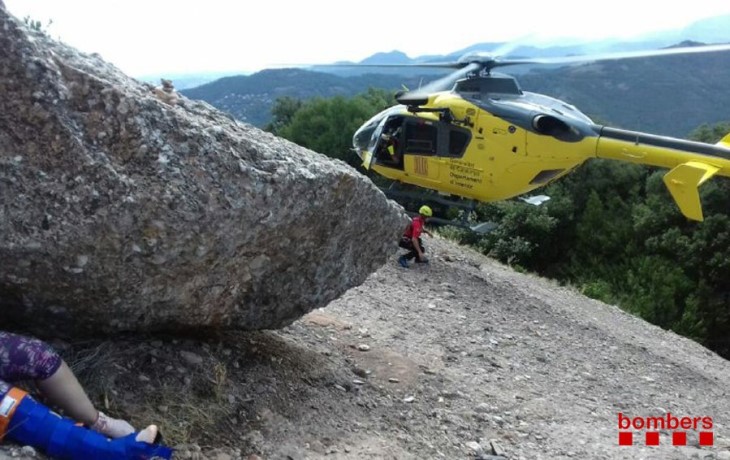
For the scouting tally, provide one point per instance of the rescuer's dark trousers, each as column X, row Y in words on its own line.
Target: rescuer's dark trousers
column 407, row 243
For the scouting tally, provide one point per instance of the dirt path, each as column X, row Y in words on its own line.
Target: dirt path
column 430, row 362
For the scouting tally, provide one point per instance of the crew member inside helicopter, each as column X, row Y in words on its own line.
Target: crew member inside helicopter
column 389, row 151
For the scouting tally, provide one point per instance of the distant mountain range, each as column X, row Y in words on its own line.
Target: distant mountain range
column 710, row 30
column 250, row 98
column 668, row 95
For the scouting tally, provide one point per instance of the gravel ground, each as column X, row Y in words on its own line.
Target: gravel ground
column 463, row 358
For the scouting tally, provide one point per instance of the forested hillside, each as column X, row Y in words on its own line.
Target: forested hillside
column 251, row 98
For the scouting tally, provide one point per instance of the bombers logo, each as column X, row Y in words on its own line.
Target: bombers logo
column 652, row 425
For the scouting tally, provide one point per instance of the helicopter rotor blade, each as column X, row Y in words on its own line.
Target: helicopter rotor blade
column 614, row 56
column 420, row 96
column 508, row 47
column 477, row 62
column 433, row 65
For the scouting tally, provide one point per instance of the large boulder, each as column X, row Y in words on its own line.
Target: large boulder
column 124, row 207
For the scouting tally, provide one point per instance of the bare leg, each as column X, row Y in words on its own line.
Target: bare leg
column 63, row 390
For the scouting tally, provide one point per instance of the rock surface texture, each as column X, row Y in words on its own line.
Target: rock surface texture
column 124, row 210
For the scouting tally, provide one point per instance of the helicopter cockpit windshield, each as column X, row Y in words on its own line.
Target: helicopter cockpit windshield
column 365, row 141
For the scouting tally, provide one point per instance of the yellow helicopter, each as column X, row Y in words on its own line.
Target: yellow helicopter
column 475, row 134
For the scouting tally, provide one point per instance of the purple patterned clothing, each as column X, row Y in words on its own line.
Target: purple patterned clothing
column 25, row 358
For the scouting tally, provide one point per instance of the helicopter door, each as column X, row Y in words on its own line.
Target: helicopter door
column 421, row 145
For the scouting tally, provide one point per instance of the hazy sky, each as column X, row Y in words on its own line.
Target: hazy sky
column 145, row 37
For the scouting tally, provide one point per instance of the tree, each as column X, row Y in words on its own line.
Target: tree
column 327, row 125
column 711, row 133
column 282, row 113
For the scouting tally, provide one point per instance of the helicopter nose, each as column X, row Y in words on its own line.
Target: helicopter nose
column 361, row 140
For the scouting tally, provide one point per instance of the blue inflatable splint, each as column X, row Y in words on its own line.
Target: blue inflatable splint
column 27, row 422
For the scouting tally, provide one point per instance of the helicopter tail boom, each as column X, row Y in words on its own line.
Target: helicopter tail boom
column 690, row 163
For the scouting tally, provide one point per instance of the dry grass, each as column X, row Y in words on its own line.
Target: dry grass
column 200, row 406
column 150, row 384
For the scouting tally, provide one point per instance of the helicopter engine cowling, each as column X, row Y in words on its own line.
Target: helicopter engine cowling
column 550, row 125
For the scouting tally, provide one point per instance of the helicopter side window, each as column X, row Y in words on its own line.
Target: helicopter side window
column 421, row 138
column 453, row 140
column 458, row 141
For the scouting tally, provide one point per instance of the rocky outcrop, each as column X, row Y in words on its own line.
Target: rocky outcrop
column 123, row 210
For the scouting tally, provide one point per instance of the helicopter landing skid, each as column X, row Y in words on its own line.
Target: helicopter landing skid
column 468, row 206
column 481, row 228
